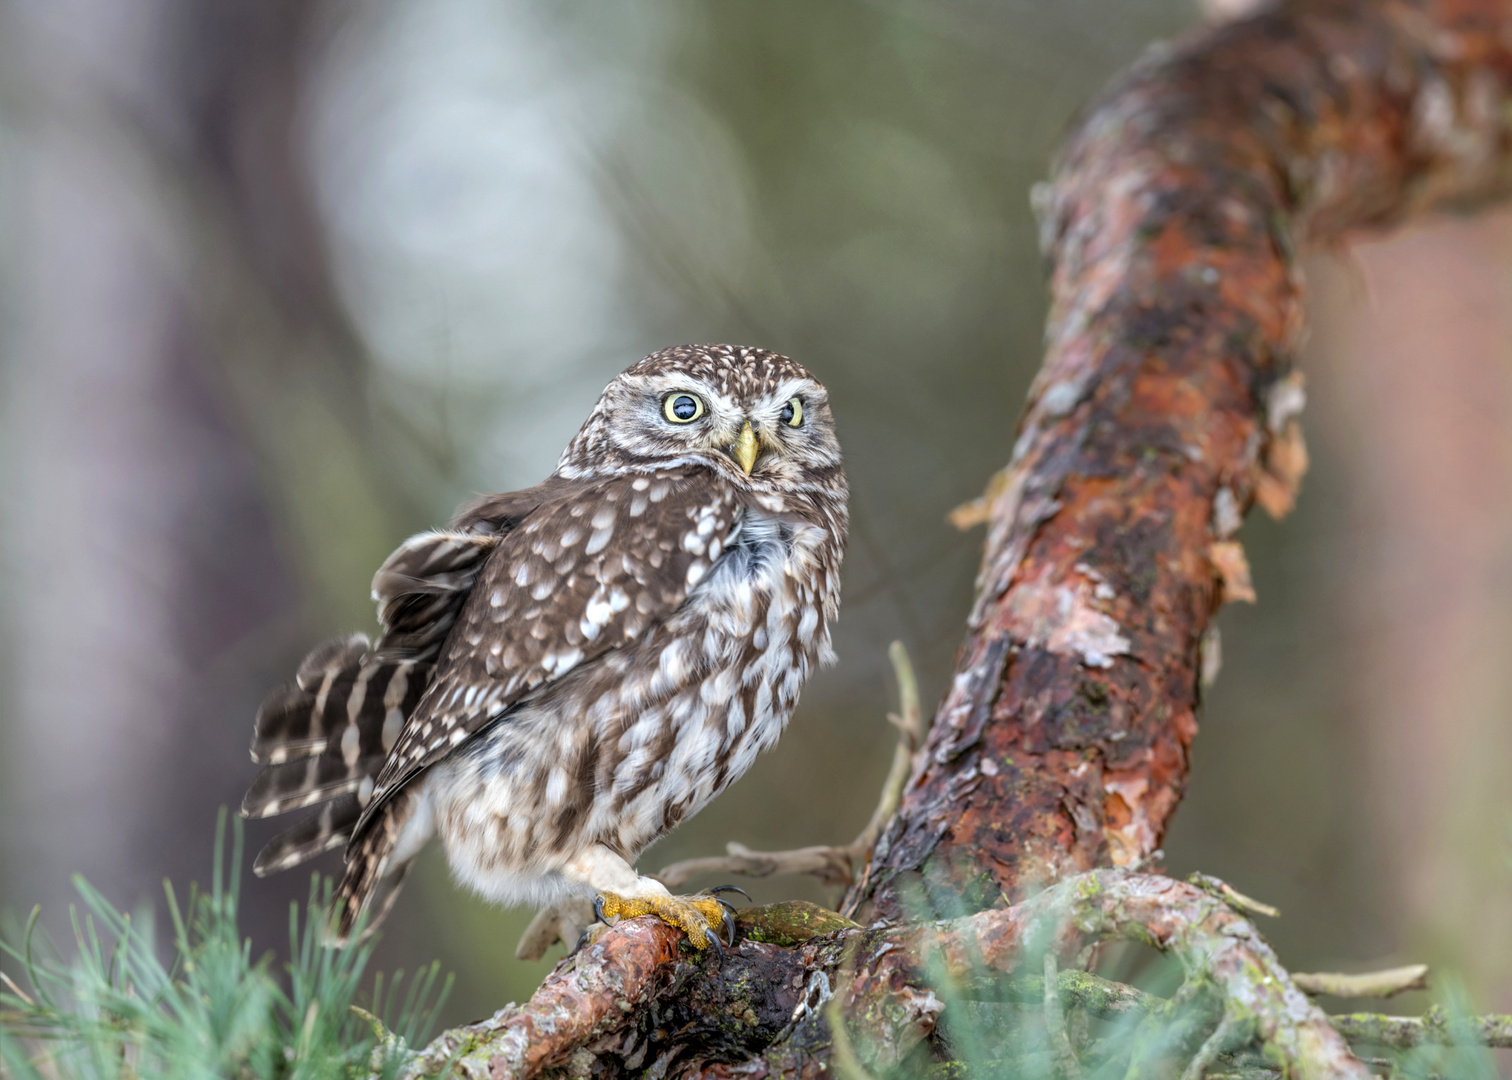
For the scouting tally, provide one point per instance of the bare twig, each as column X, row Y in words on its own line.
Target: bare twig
column 1061, row 1054
column 829, row 864
column 911, row 731
column 1233, row 897
column 1366, row 985
column 563, row 921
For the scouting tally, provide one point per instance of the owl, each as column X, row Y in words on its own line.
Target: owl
column 567, row 672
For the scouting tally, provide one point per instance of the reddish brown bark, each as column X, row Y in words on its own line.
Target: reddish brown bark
column 1165, row 408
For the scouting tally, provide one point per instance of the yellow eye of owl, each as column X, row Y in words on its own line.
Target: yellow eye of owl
column 792, row 412
column 683, row 408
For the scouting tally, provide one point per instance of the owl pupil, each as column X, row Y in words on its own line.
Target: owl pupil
column 684, row 407
column 786, row 416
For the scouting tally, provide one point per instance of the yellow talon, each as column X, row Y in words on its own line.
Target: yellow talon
column 696, row 916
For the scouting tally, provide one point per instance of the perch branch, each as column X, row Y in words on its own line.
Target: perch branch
column 607, row 1003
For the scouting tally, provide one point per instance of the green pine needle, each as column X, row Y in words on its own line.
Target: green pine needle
column 118, row 1012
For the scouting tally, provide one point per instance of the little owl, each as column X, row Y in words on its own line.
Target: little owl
column 568, row 671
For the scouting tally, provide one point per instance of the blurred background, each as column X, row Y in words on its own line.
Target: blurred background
column 282, row 281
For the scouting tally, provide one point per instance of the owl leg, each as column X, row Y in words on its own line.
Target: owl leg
column 624, row 894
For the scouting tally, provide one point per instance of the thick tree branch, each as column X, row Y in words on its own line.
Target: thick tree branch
column 616, row 1004
column 1167, row 406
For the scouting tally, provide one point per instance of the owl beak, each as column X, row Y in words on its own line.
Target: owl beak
column 746, row 449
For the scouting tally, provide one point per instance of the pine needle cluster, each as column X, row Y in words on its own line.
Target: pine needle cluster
column 199, row 1006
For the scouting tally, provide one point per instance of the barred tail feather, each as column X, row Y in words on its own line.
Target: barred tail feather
column 322, row 739
column 377, row 867
column 327, row 830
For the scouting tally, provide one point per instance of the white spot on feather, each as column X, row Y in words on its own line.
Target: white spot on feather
column 393, row 723
column 350, row 745
column 600, row 539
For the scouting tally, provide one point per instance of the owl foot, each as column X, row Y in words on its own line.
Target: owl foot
column 696, row 916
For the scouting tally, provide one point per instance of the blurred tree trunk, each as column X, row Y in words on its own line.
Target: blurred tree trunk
column 1416, row 351
column 180, row 390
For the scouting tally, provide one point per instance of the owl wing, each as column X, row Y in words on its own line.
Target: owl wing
column 584, row 573
column 321, row 738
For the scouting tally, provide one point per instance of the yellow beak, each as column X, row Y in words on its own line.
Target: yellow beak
column 746, row 449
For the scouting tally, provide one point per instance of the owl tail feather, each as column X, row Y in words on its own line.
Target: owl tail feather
column 376, row 870
column 322, row 740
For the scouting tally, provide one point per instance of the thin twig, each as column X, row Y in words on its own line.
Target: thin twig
column 911, row 731
column 1231, row 896
column 1061, row 1054
column 1226, row 1034
column 1405, row 1032
column 829, row 864
column 1369, row 984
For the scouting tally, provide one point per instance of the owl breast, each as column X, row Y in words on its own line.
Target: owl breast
column 621, row 750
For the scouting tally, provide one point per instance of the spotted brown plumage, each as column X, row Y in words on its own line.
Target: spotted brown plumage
column 567, row 672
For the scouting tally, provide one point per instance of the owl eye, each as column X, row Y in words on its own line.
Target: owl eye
column 792, row 412
column 683, row 408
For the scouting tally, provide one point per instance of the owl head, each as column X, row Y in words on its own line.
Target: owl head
column 754, row 416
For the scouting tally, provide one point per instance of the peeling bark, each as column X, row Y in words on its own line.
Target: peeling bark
column 1166, row 407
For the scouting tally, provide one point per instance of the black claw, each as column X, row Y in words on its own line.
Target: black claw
column 729, row 907
column 581, row 941
column 714, row 941
column 716, row 890
column 728, row 924
column 598, row 910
